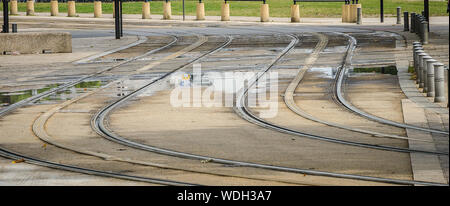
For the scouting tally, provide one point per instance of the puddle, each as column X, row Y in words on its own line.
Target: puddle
column 126, row 86
column 227, row 82
column 335, row 49
column 104, row 60
column 71, row 92
column 382, row 70
column 8, row 98
column 324, row 72
column 302, row 50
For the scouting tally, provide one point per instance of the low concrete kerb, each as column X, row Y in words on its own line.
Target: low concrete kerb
column 35, row 42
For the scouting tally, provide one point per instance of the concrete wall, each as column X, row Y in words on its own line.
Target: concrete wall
column 31, row 43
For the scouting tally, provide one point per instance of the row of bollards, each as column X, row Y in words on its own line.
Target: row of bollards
column 429, row 73
column 225, row 12
column 167, row 10
column 351, row 12
column 53, row 8
column 419, row 25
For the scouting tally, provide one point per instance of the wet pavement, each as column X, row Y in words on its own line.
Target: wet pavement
column 215, row 131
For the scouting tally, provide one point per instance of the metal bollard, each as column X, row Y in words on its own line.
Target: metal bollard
column 420, row 64
column 416, row 46
column 416, row 53
column 417, row 66
column 413, row 25
column 399, row 16
column 405, row 21
column 424, row 32
column 358, row 15
column 439, row 82
column 14, row 28
column 430, row 78
column 424, row 73
column 415, row 49
column 417, row 24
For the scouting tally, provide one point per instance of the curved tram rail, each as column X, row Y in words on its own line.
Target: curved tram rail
column 98, row 125
column 14, row 155
column 340, row 78
column 295, row 83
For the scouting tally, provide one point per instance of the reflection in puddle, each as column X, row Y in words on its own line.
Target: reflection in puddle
column 8, row 98
column 367, row 71
column 227, row 82
column 71, row 92
column 126, row 86
column 335, row 49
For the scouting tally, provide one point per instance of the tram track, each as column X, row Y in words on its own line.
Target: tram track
column 15, row 155
column 293, row 85
column 98, row 125
column 39, row 124
column 340, row 99
column 242, row 109
column 224, row 161
column 339, row 96
column 39, row 130
column 34, row 98
column 245, row 113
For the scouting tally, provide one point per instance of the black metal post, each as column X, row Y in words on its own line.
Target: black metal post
column 117, row 20
column 183, row 12
column 427, row 12
column 5, row 28
column 121, row 19
column 381, row 11
column 413, row 23
column 406, row 21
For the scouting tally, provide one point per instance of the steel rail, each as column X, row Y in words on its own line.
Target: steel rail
column 39, row 130
column 21, row 103
column 98, row 125
column 340, row 98
column 252, row 118
column 14, row 155
column 295, row 83
column 241, row 108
